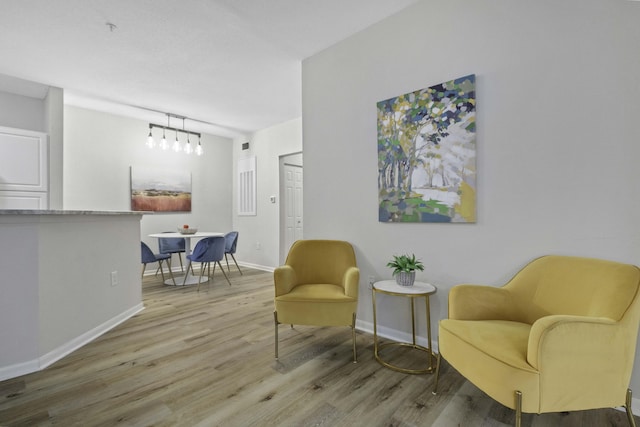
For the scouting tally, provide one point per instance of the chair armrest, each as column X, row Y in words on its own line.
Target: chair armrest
column 474, row 302
column 579, row 343
column 284, row 279
column 350, row 282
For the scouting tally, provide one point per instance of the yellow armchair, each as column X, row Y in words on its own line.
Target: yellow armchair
column 560, row 336
column 318, row 285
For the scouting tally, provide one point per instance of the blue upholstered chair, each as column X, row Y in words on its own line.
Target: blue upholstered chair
column 231, row 241
column 172, row 245
column 208, row 250
column 148, row 256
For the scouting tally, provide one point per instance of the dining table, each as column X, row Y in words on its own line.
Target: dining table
column 186, row 279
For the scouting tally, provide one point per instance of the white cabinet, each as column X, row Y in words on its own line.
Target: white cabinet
column 24, row 169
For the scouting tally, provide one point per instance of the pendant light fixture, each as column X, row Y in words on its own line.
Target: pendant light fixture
column 187, row 147
column 150, row 141
column 176, row 146
column 164, row 144
column 199, row 151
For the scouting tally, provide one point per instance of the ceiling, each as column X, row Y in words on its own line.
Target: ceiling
column 230, row 66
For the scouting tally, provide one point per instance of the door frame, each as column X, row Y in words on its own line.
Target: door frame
column 291, row 159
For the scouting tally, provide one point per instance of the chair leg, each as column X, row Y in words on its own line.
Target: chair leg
column 161, row 270
column 518, row 396
column 173, row 279
column 435, row 384
column 353, row 337
column 180, row 258
column 627, row 407
column 143, row 267
column 189, row 266
column 275, row 320
column 222, row 269
column 202, row 267
column 227, row 260
column 237, row 266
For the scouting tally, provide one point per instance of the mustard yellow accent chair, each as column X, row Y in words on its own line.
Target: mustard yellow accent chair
column 559, row 336
column 318, row 285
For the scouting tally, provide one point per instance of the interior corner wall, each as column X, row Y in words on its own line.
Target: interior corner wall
column 54, row 123
column 22, row 112
column 557, row 139
column 100, row 149
column 259, row 235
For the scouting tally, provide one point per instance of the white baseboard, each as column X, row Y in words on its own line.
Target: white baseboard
column 176, row 270
column 257, row 266
column 7, row 372
column 635, row 406
column 68, row 347
column 394, row 334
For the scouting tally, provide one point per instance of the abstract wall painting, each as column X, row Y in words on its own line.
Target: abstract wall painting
column 160, row 190
column 427, row 154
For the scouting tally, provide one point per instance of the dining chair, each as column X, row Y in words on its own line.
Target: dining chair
column 231, row 241
column 148, row 256
column 208, row 250
column 172, row 245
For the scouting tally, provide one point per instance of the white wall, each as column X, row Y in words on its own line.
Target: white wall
column 99, row 150
column 557, row 138
column 258, row 240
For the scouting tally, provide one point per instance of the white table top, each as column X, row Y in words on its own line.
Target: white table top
column 197, row 234
column 391, row 287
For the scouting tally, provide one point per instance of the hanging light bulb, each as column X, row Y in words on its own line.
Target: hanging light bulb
column 187, row 147
column 150, row 141
column 164, row 144
column 199, row 150
column 176, row 144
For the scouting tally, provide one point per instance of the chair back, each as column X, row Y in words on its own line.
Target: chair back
column 209, row 249
column 574, row 286
column 321, row 261
column 168, row 245
column 147, row 254
column 231, row 240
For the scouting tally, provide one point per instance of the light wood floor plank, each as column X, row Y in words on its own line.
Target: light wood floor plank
column 207, row 359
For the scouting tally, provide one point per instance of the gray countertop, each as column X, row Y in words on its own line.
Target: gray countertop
column 65, row 212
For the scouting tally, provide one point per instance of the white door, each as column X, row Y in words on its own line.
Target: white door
column 293, row 205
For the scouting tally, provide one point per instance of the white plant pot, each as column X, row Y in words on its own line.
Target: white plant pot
column 405, row 279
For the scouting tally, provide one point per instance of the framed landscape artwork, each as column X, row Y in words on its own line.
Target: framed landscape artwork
column 427, row 154
column 160, row 190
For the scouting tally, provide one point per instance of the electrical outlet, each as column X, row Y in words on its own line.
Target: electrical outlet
column 258, row 246
column 372, row 280
column 114, row 278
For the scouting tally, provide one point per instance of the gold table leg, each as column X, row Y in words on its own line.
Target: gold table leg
column 377, row 347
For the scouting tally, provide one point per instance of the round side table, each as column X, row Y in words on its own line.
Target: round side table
column 418, row 290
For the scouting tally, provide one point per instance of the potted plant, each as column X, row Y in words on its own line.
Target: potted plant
column 404, row 268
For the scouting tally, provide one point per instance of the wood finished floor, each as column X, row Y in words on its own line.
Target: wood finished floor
column 206, row 359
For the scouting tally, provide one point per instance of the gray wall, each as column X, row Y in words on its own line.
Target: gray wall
column 22, row 112
column 557, row 138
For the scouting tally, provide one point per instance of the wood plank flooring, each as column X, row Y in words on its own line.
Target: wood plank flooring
column 206, row 359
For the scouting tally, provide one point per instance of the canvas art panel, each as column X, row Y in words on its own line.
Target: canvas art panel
column 427, row 154
column 160, row 190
